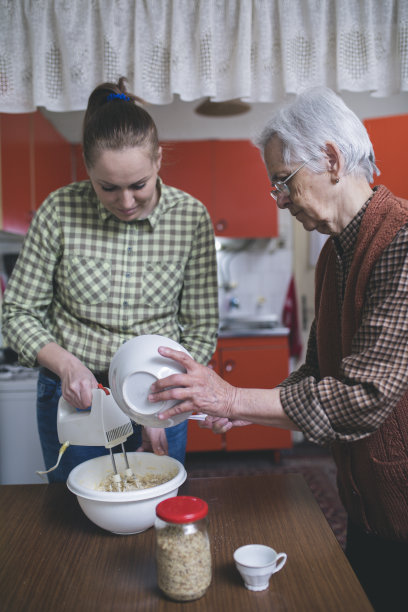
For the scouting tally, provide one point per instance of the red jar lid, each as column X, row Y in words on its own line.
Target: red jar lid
column 182, row 509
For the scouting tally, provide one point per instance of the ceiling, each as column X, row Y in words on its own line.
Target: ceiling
column 179, row 121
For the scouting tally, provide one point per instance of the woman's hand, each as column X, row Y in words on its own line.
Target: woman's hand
column 77, row 384
column 200, row 389
column 77, row 381
column 154, row 440
column 221, row 425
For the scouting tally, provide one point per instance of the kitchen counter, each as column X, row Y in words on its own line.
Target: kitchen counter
column 253, row 332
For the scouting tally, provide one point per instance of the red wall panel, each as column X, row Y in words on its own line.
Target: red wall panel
column 389, row 136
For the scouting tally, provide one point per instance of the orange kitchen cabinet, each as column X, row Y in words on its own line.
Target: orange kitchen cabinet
column 188, row 166
column 229, row 177
column 35, row 160
column 251, row 362
column 199, row 439
column 52, row 159
column 16, row 182
column 257, row 362
column 389, row 136
column 242, row 205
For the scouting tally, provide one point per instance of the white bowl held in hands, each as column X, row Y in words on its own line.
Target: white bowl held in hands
column 128, row 511
column 256, row 563
column 135, row 366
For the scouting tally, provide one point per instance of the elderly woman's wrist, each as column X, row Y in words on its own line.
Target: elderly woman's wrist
column 233, row 403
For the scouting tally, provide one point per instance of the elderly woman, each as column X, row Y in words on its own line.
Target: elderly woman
column 352, row 391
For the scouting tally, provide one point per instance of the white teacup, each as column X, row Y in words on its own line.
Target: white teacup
column 256, row 563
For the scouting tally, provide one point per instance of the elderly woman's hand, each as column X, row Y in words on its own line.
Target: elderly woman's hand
column 200, row 389
column 221, row 425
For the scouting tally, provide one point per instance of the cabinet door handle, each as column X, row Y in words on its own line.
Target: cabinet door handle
column 229, row 366
column 213, row 364
column 221, row 225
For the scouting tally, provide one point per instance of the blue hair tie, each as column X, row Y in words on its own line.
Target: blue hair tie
column 113, row 96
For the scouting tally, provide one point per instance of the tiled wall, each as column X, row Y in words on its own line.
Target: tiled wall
column 255, row 274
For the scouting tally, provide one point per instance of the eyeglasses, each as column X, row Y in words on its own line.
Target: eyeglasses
column 281, row 186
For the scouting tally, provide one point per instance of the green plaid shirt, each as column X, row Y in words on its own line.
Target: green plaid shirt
column 89, row 282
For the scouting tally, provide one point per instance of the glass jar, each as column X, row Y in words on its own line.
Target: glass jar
column 183, row 552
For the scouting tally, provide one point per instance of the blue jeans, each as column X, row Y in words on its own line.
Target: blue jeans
column 48, row 395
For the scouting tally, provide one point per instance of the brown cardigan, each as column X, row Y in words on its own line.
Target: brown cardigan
column 372, row 472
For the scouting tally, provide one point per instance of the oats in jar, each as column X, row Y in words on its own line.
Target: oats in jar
column 183, row 552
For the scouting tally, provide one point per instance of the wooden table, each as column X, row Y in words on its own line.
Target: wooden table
column 52, row 558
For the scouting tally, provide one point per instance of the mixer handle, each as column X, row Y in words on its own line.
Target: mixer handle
column 100, row 386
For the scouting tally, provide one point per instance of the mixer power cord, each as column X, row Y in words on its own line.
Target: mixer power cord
column 60, row 453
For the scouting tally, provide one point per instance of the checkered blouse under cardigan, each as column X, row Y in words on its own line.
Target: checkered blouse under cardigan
column 375, row 375
column 89, row 281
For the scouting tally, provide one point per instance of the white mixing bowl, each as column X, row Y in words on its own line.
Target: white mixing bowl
column 136, row 365
column 128, row 511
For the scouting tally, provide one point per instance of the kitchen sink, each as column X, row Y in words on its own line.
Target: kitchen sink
column 249, row 322
column 239, row 325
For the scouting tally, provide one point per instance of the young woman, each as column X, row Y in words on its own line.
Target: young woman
column 107, row 259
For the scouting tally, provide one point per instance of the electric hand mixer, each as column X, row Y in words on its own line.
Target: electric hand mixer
column 104, row 425
column 133, row 368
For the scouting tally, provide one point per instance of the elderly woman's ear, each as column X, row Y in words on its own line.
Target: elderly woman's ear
column 334, row 161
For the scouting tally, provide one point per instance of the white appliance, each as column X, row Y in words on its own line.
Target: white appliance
column 20, row 449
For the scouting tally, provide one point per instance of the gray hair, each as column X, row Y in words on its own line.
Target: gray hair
column 315, row 117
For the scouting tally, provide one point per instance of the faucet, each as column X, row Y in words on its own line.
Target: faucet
column 233, row 303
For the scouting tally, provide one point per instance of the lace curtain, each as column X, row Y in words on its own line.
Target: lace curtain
column 54, row 52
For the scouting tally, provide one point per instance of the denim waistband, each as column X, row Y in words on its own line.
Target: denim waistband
column 101, row 377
